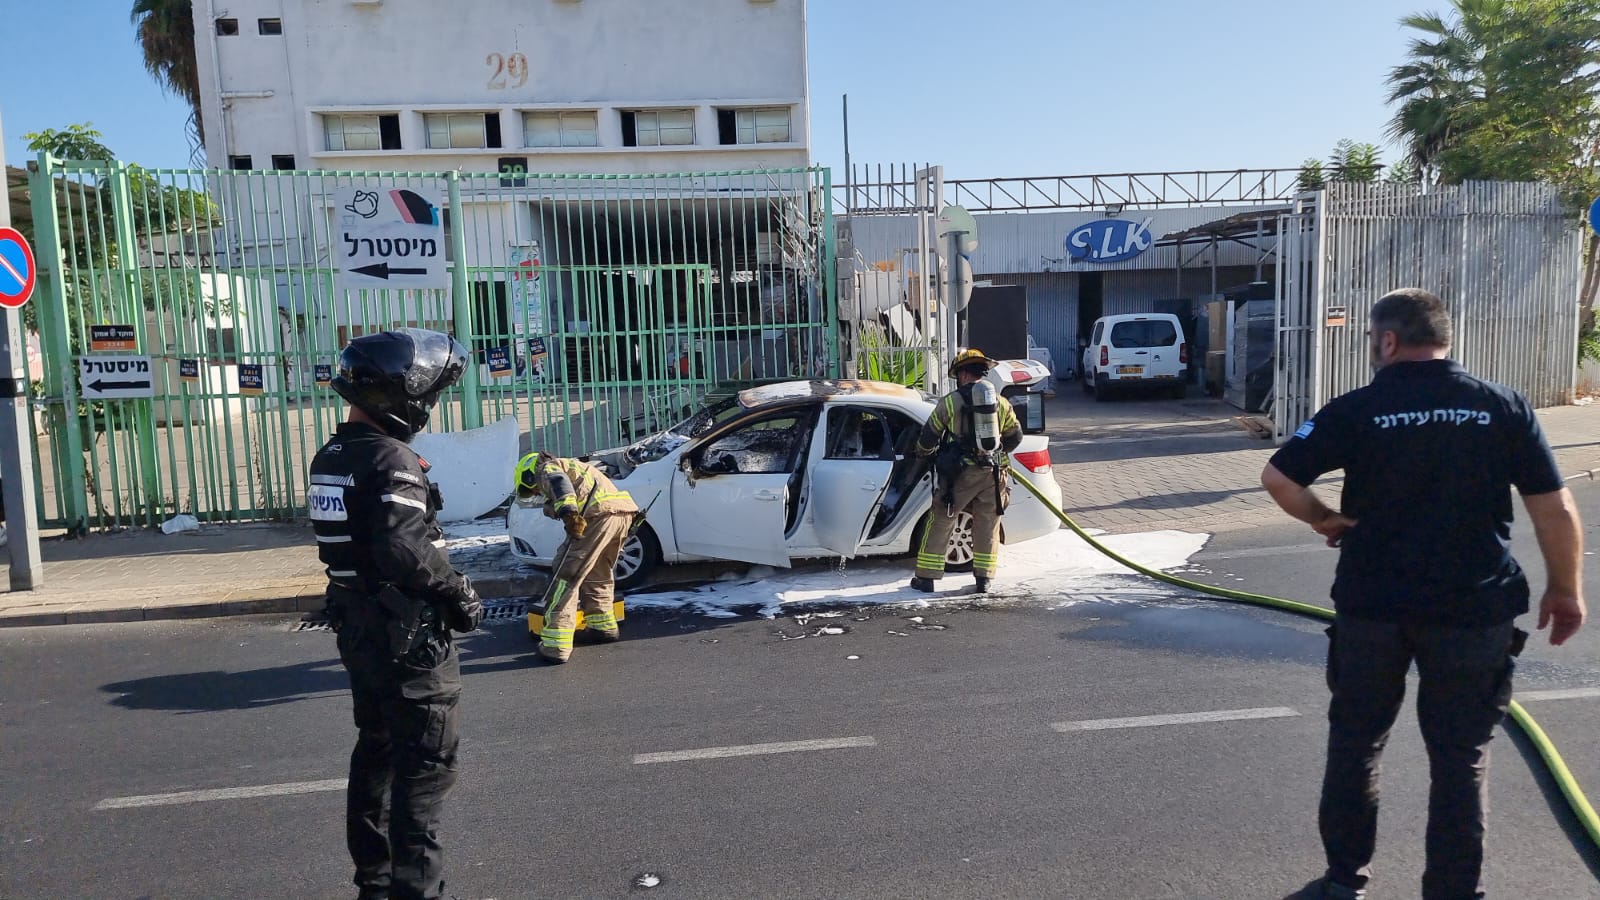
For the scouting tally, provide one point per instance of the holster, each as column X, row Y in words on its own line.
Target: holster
column 408, row 623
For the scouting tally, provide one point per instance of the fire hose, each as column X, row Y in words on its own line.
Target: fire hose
column 1554, row 764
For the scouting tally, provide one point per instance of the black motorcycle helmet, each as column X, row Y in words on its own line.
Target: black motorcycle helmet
column 397, row 376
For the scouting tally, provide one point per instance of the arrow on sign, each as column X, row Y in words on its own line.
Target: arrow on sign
column 99, row 385
column 382, row 270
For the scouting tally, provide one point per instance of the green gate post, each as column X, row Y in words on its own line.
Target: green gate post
column 60, row 368
column 830, row 277
column 461, row 308
column 144, row 420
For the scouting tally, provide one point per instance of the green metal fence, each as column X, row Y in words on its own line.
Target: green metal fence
column 599, row 308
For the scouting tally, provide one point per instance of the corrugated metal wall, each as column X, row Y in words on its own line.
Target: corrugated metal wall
column 1053, row 300
column 1036, row 242
column 1506, row 259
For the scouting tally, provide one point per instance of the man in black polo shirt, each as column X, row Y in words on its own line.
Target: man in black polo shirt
column 1430, row 454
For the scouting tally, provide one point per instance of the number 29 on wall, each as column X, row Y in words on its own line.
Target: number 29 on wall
column 507, row 70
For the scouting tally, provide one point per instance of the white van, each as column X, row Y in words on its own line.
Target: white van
column 1139, row 350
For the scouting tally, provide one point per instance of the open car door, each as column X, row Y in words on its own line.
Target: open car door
column 854, row 461
column 731, row 496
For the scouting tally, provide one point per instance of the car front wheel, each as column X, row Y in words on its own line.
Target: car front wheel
column 641, row 554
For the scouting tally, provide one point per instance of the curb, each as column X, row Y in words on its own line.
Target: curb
column 276, row 602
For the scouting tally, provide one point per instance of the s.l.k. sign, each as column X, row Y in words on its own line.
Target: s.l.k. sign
column 1109, row 240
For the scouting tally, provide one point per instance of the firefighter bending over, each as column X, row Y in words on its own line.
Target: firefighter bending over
column 598, row 518
column 970, row 436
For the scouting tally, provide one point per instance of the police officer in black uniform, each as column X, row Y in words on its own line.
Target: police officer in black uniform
column 394, row 599
column 1425, row 574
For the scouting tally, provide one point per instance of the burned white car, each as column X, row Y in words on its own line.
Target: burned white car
column 788, row 471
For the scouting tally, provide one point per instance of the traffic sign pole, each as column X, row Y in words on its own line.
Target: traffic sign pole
column 16, row 460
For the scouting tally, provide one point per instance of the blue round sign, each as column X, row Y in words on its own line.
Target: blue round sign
column 1594, row 215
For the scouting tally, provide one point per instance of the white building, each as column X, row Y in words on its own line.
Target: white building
column 625, row 86
column 627, row 274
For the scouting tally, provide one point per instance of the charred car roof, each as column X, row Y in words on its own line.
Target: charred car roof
column 788, row 392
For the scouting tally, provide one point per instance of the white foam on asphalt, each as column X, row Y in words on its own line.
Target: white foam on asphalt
column 1058, row 567
column 1221, row 715
column 754, row 750
column 238, row 793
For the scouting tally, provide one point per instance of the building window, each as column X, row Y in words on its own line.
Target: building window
column 561, row 129
column 766, row 125
column 657, row 127
column 228, row 27
column 376, row 132
column 283, row 160
column 462, row 131
column 241, row 163
column 269, row 26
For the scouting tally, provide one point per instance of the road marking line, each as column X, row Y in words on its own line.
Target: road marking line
column 1560, row 694
column 754, row 750
column 238, row 793
column 1221, row 715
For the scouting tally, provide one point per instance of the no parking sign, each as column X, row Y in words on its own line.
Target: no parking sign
column 17, row 271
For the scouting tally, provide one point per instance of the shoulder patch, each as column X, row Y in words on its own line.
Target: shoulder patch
column 1304, row 431
column 407, row 476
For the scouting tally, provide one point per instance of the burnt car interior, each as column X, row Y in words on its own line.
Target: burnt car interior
column 856, row 432
column 771, row 445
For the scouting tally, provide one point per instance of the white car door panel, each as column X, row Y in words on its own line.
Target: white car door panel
column 844, row 495
column 738, row 517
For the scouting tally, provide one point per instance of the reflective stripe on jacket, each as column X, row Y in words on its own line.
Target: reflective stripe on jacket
column 574, row 485
column 949, row 423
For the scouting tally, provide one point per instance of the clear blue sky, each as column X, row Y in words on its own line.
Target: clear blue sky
column 1006, row 87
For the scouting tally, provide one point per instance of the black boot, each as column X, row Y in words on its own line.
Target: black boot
column 924, row 585
column 983, row 584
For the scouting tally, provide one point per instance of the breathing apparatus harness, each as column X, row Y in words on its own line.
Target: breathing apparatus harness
column 976, row 442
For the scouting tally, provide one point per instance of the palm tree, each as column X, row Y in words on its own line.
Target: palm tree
column 166, row 34
column 1442, row 81
column 1504, row 89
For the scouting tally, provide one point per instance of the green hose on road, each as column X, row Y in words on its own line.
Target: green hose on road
column 1556, row 766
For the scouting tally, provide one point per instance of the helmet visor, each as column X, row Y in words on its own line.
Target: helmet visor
column 437, row 360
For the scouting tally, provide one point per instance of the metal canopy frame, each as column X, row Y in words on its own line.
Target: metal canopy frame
column 886, row 190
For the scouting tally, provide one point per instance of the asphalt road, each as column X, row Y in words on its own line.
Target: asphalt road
column 971, row 752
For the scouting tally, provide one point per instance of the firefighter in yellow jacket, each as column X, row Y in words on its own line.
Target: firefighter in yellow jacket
column 970, row 436
column 597, row 518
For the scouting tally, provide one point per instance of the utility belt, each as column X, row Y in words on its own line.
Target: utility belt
column 953, row 458
column 389, row 616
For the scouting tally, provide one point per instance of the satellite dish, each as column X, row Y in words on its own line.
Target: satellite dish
column 957, row 219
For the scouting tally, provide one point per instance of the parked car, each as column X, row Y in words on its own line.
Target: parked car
column 1136, row 351
column 794, row 470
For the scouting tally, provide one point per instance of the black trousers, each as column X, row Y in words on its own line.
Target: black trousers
column 1465, row 687
column 404, row 763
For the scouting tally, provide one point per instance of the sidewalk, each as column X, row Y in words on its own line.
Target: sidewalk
column 1188, row 466
column 221, row 570
column 1132, row 466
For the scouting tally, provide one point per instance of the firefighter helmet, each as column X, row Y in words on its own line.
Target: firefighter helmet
column 972, row 358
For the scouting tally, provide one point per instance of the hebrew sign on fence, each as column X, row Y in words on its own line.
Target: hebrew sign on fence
column 389, row 238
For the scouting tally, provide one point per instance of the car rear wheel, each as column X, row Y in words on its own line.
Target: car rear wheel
column 958, row 553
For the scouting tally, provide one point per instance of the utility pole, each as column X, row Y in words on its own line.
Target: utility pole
column 16, row 454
